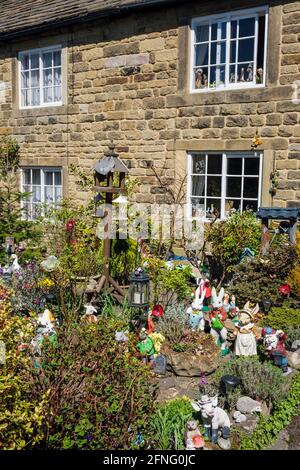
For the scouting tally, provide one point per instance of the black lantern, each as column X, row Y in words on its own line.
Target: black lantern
column 266, row 305
column 139, row 289
column 229, row 383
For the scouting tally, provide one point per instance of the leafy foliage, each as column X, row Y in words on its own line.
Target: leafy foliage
column 98, row 388
column 22, row 417
column 229, row 237
column 281, row 318
column 124, row 259
column 268, row 429
column 169, row 284
column 169, row 422
column 294, row 276
column 260, row 277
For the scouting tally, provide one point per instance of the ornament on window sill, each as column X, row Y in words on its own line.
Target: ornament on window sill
column 256, row 141
column 259, row 75
column 200, row 79
column 274, row 182
column 250, row 73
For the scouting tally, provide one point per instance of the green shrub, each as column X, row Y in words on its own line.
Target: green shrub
column 98, row 388
column 168, row 424
column 268, row 429
column 229, row 237
column 282, row 318
column 124, row 259
column 262, row 381
column 173, row 324
column 293, row 334
column 259, row 278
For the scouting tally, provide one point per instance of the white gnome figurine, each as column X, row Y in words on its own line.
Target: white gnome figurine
column 245, row 343
column 216, row 421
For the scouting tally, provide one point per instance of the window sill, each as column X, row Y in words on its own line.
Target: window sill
column 42, row 111
column 186, row 97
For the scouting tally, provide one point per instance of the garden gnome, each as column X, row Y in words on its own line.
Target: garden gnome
column 146, row 347
column 273, row 341
column 193, row 438
column 215, row 419
column 90, row 314
column 218, row 329
column 245, row 343
column 15, row 265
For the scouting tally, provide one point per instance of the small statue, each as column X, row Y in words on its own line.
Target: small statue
column 146, row 348
column 242, row 77
column 200, row 79
column 193, row 438
column 250, row 73
column 215, row 419
column 15, row 268
column 245, row 343
column 259, row 75
column 232, row 78
column 46, row 322
column 217, row 299
column 90, row 314
column 218, row 330
column 274, row 343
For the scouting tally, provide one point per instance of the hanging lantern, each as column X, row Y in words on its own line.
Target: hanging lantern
column 139, row 289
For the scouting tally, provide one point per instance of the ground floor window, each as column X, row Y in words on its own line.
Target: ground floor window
column 44, row 186
column 219, row 183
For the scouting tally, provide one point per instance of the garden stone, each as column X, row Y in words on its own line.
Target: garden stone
column 225, row 444
column 248, row 405
column 295, row 345
column 293, row 359
column 250, row 424
column 189, row 365
column 239, row 417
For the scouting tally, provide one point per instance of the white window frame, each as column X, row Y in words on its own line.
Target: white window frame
column 225, row 156
column 43, row 170
column 40, row 51
column 235, row 15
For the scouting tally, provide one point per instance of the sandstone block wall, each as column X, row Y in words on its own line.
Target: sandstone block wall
column 127, row 79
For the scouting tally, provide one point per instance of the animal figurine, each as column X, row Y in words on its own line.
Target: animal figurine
column 215, row 419
column 196, row 319
column 193, row 438
column 250, row 73
column 218, row 329
column 46, row 322
column 274, row 343
column 200, row 79
column 245, row 343
column 217, row 299
column 15, row 265
column 242, row 77
column 89, row 315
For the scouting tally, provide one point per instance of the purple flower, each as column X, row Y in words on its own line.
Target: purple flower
column 89, row 437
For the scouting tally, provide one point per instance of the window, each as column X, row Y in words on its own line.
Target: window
column 44, row 186
column 229, row 50
column 40, row 77
column 220, row 183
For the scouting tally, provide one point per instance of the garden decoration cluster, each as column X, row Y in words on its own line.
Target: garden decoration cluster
column 86, row 367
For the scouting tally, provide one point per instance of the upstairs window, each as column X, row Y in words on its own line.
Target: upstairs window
column 229, row 50
column 40, row 77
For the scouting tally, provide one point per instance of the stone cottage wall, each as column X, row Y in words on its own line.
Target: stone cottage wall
column 126, row 80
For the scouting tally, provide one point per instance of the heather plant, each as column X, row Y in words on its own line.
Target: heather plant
column 259, row 380
column 173, row 325
column 283, row 318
